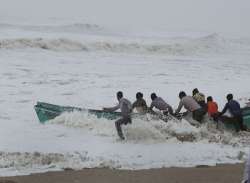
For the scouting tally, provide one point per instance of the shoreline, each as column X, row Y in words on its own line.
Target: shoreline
column 232, row 173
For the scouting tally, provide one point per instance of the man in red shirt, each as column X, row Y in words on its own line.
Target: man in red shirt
column 212, row 107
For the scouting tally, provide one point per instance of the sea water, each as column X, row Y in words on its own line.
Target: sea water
column 84, row 65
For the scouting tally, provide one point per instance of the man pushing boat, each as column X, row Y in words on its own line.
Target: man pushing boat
column 140, row 104
column 126, row 109
column 160, row 104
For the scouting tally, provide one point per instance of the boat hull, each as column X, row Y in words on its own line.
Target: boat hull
column 246, row 120
column 46, row 112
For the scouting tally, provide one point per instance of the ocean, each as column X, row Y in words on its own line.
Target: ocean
column 84, row 65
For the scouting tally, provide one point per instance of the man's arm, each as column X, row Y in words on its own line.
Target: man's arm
column 224, row 110
column 111, row 109
column 179, row 107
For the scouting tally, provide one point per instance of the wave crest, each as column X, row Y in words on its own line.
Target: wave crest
column 48, row 44
column 211, row 44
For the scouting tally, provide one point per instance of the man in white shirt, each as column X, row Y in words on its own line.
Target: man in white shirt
column 126, row 109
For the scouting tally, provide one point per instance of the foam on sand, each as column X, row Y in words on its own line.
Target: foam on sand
column 84, row 65
column 148, row 144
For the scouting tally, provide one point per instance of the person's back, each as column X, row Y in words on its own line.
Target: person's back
column 125, row 106
column 234, row 108
column 212, row 107
column 161, row 105
column 140, row 104
column 190, row 104
column 199, row 98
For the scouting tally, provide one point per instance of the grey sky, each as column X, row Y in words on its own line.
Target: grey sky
column 229, row 16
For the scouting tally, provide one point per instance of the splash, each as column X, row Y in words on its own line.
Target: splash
column 149, row 130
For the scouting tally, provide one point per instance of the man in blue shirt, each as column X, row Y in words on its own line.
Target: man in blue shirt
column 234, row 109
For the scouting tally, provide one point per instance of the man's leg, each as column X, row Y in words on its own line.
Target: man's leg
column 215, row 117
column 240, row 122
column 236, row 123
column 198, row 115
column 119, row 122
column 118, row 127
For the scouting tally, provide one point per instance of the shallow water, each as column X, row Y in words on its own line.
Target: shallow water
column 85, row 66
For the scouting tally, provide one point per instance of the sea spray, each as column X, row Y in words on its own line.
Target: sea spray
column 148, row 130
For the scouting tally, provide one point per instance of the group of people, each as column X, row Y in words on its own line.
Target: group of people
column 194, row 104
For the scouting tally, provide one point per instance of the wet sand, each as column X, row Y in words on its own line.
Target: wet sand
column 202, row 174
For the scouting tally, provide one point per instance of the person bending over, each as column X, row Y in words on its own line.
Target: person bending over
column 160, row 104
column 235, row 111
column 200, row 99
column 126, row 109
column 191, row 106
column 140, row 104
column 212, row 108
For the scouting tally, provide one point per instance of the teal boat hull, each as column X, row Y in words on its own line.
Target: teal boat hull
column 246, row 116
column 46, row 112
column 246, row 120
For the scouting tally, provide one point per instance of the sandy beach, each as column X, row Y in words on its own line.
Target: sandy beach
column 202, row 174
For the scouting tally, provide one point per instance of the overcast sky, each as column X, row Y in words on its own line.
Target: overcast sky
column 229, row 16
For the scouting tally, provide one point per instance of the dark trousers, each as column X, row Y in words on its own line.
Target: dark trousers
column 122, row 121
column 198, row 114
column 215, row 116
column 203, row 106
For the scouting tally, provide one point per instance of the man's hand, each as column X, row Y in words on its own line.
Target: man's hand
column 176, row 114
column 219, row 114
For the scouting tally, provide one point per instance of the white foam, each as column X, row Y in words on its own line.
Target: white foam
column 207, row 45
column 56, row 45
column 86, row 69
column 146, row 130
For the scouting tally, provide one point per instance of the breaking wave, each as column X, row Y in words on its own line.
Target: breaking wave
column 72, row 28
column 149, row 130
column 211, row 44
column 53, row 44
